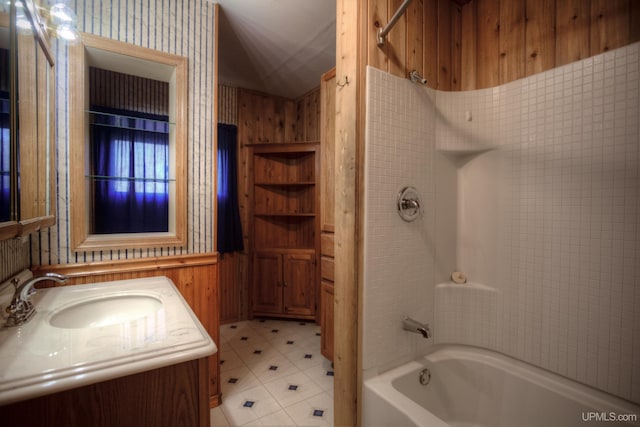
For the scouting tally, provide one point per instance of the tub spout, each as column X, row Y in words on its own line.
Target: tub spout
column 408, row 324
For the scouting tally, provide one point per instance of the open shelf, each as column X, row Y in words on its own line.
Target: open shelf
column 284, row 232
column 287, row 199
column 284, row 168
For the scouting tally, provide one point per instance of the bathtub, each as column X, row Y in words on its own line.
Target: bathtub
column 471, row 387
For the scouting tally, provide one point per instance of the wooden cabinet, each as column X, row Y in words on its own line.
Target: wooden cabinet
column 284, row 230
column 27, row 200
column 327, row 185
column 174, row 395
column 326, row 319
column 284, row 284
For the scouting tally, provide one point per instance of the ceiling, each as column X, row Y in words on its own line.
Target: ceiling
column 280, row 47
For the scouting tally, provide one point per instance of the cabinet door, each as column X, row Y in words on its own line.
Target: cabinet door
column 326, row 320
column 299, row 284
column 267, row 283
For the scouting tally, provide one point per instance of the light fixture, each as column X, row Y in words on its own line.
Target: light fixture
column 22, row 23
column 61, row 14
column 58, row 19
column 63, row 23
column 67, row 33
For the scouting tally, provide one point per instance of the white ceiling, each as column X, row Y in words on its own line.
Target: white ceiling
column 280, row 47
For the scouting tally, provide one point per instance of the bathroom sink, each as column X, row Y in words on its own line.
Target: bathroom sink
column 105, row 310
column 89, row 333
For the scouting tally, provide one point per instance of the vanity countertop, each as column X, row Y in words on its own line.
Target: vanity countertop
column 37, row 358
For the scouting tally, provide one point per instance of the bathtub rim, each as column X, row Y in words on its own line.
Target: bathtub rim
column 572, row 388
column 599, row 400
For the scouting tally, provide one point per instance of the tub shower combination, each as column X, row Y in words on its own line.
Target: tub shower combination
column 516, row 186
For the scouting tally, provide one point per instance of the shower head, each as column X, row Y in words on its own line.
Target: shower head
column 417, row 78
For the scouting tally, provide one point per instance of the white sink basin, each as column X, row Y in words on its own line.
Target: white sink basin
column 84, row 334
column 105, row 310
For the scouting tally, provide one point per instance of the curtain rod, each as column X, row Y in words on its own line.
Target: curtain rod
column 382, row 33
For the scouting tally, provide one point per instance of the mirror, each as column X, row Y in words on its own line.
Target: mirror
column 28, row 159
column 129, row 105
column 6, row 214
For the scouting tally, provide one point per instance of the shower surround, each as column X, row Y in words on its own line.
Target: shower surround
column 531, row 189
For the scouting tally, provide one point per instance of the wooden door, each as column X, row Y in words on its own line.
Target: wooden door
column 299, row 284
column 326, row 320
column 266, row 296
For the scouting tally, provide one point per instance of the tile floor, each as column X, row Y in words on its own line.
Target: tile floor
column 272, row 374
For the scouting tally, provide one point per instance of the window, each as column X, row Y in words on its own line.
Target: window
column 129, row 171
column 128, row 158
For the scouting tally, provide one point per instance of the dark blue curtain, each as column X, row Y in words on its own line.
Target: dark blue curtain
column 5, row 159
column 130, row 171
column 229, row 227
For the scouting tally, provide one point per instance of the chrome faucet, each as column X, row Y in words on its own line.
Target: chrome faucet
column 408, row 324
column 21, row 309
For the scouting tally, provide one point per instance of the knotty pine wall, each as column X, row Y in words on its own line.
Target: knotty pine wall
column 465, row 45
column 505, row 40
column 261, row 118
column 426, row 38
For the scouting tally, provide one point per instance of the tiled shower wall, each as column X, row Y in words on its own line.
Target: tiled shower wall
column 403, row 260
column 548, row 214
column 181, row 27
column 551, row 218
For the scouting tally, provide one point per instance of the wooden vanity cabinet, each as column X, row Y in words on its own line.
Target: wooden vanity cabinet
column 171, row 396
column 284, row 230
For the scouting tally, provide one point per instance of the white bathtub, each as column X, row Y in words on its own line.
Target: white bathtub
column 474, row 387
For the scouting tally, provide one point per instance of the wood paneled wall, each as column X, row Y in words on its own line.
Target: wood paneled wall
column 308, row 116
column 464, row 45
column 195, row 276
column 261, row 118
column 426, row 38
column 505, row 40
column 265, row 118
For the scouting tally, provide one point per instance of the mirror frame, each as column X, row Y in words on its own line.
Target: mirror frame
column 81, row 238
column 21, row 226
column 11, row 228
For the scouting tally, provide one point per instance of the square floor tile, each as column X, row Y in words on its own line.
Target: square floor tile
column 249, row 405
column 315, row 411
column 274, row 368
column 292, row 388
column 230, row 358
column 304, row 360
column 277, row 419
column 321, row 376
column 217, row 418
column 235, row 380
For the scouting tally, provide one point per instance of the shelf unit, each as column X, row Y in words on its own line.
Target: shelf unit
column 284, row 230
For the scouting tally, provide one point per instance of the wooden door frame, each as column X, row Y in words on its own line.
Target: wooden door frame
column 351, row 50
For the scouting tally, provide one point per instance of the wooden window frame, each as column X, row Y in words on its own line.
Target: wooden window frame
column 137, row 60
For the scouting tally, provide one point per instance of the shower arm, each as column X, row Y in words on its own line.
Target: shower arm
column 382, row 32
